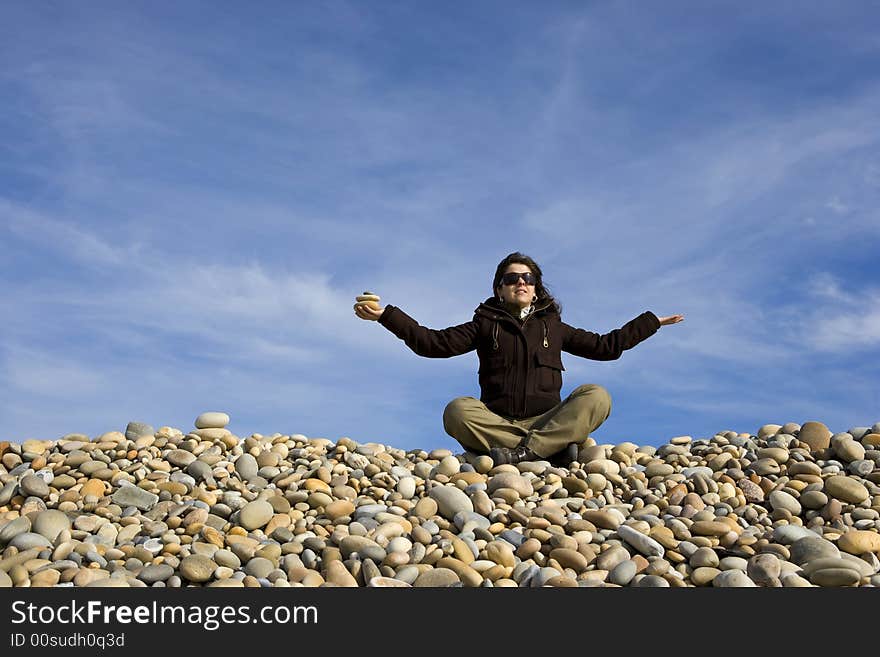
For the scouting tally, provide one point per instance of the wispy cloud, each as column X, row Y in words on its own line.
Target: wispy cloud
column 841, row 320
column 63, row 238
column 198, row 204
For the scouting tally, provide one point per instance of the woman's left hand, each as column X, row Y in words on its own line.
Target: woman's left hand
column 672, row 319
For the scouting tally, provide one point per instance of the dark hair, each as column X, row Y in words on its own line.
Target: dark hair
column 541, row 290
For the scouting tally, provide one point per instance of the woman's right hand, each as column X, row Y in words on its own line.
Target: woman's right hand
column 367, row 306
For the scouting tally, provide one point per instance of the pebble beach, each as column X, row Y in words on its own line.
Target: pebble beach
column 792, row 505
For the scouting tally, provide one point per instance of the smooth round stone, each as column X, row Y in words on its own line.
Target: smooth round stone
column 641, row 542
column 568, row 558
column 180, row 457
column 513, row 537
column 134, row 496
column 768, row 430
column 766, row 467
column 781, row 500
column 461, row 519
column 229, row 582
column 34, row 485
column 339, row 509
column 709, row 528
column 603, row 518
column 704, row 575
column 597, row 482
column 437, row 577
column 751, row 491
column 623, row 572
column 399, row 544
column 200, row 470
column 865, row 569
column 32, row 505
column 50, row 523
column 212, row 420
column 846, row 489
column 406, row 486
column 28, row 540
column 197, row 568
column 861, row 468
column 155, row 573
column 63, row 482
column 848, row 449
column 135, row 430
column 226, row 558
column 808, row 549
column 450, row 500
column 816, row 435
column 611, row 557
column 835, row 577
column 13, row 528
column 45, row 578
column 658, row 469
column 8, row 492
column 793, row 580
column 246, row 466
column 764, row 568
column 859, row 541
column 483, row 463
column 367, row 511
column 652, row 582
column 362, row 546
column 256, row 514
column 732, row 579
column 540, row 578
column 733, row 563
column 510, row 480
column 697, row 471
column 788, row 534
column 46, row 475
column 704, row 557
column 813, row 499
column 778, row 454
column 93, row 487
column 387, row 582
column 259, row 567
column 448, row 466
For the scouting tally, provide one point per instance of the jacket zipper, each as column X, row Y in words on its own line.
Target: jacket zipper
column 528, row 365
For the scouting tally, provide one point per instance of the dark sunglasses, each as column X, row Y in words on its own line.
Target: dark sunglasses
column 511, row 278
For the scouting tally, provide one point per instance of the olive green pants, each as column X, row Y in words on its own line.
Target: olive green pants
column 478, row 429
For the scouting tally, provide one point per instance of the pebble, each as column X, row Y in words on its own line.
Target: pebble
column 212, row 420
column 450, row 500
column 135, row 430
column 129, row 495
column 793, row 506
column 51, row 523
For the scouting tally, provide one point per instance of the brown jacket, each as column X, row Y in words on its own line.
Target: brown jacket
column 520, row 361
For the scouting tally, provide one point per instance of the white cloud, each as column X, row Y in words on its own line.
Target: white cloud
column 837, row 206
column 840, row 320
column 63, row 237
column 49, row 375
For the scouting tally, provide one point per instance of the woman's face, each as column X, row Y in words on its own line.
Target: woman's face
column 517, row 292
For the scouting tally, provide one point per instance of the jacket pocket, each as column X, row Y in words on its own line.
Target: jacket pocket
column 548, row 370
column 493, row 374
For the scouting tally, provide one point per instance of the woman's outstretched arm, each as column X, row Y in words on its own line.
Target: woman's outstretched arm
column 431, row 343
column 611, row 345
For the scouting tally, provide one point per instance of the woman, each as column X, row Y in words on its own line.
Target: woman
column 519, row 336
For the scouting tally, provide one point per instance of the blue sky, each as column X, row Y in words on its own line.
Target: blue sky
column 192, row 194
